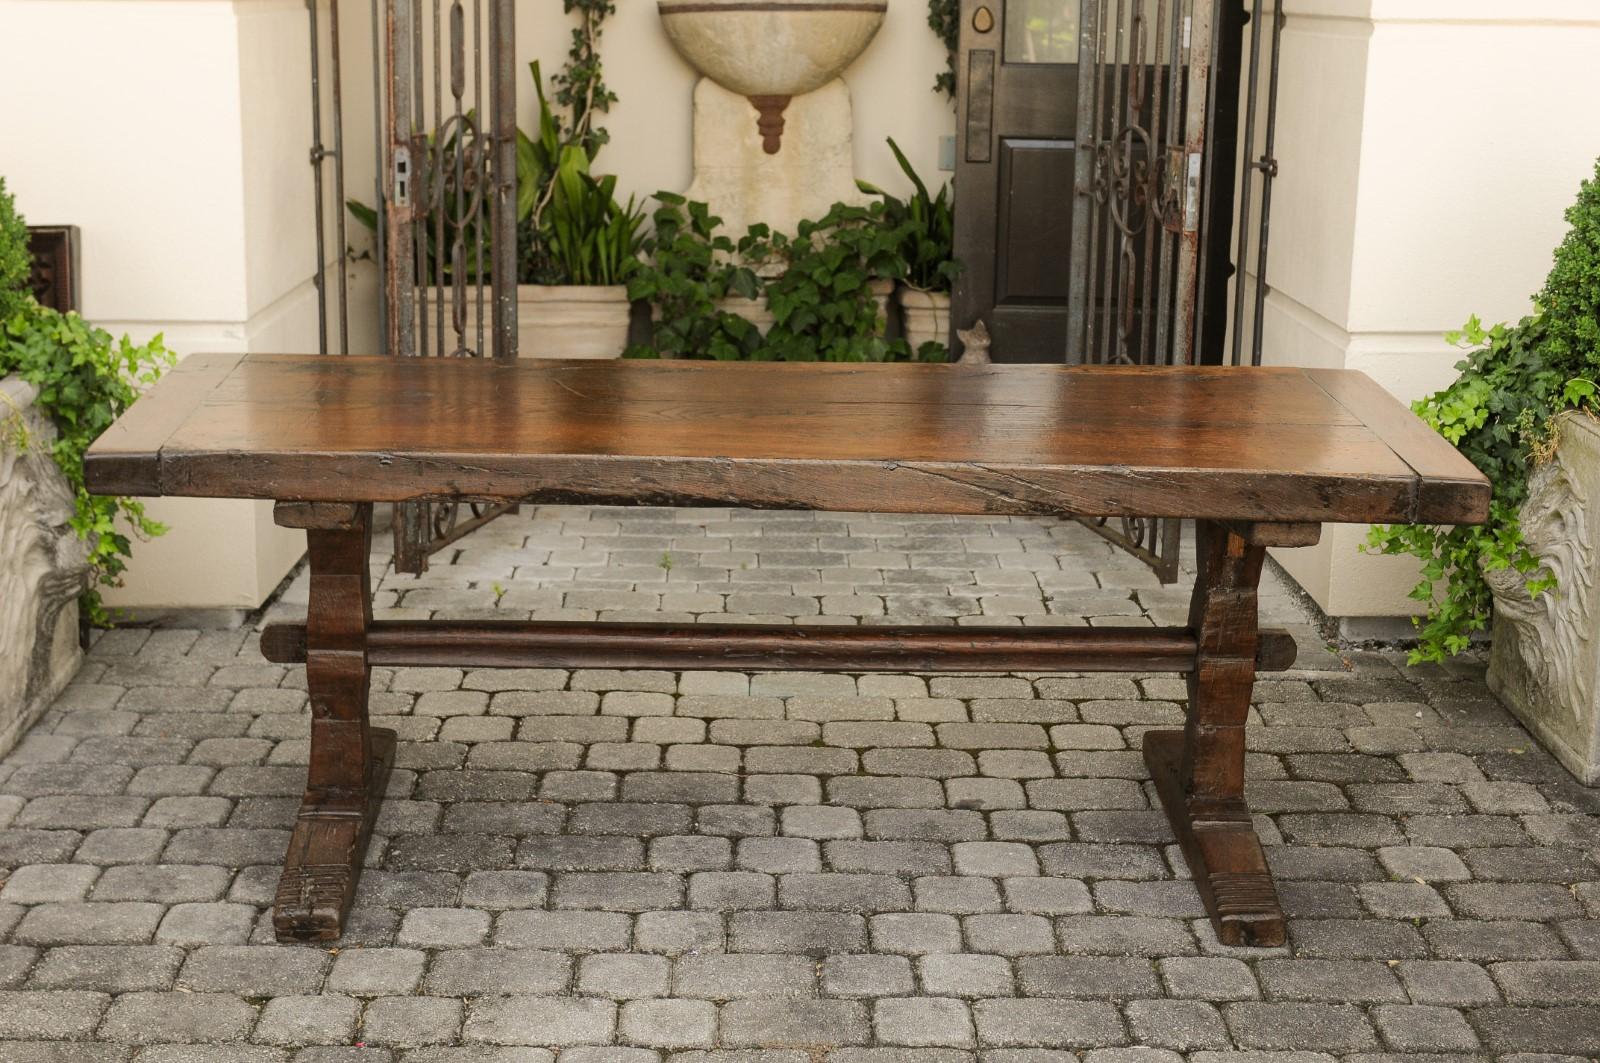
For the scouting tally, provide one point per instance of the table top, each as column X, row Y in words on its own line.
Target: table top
column 1271, row 444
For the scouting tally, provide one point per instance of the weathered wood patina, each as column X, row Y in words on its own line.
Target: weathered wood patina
column 1257, row 457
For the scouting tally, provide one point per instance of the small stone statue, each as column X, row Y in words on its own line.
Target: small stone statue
column 975, row 344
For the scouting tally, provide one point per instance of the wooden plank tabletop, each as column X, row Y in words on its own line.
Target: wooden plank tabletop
column 1223, row 443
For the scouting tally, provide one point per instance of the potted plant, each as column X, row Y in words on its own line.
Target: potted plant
column 62, row 383
column 819, row 295
column 927, row 227
column 577, row 245
column 1523, row 410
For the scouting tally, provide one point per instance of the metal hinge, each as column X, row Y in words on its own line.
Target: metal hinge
column 402, row 176
column 1191, row 194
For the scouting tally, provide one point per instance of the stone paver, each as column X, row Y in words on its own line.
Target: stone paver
column 601, row 866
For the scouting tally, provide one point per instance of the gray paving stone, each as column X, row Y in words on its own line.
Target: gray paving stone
column 181, row 1018
column 1047, row 1023
column 408, row 1021
column 376, row 972
column 923, row 1022
column 867, row 976
column 1279, row 1027
column 544, row 1022
column 50, row 1013
column 254, row 970
column 586, row 845
column 816, row 1023
column 307, row 1020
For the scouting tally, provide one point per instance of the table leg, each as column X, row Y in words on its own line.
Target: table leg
column 1199, row 771
column 349, row 760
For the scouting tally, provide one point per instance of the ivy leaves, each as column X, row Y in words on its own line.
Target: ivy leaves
column 85, row 381
column 820, row 293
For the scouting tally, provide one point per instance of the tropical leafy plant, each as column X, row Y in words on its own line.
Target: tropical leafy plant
column 1502, row 412
column 928, row 227
column 587, row 236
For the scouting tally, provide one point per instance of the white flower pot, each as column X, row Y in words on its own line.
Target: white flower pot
column 1544, row 662
column 553, row 321
column 925, row 316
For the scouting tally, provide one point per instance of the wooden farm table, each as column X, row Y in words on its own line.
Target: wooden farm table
column 1257, row 457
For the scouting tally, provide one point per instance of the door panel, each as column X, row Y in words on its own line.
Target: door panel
column 1081, row 127
column 1016, row 114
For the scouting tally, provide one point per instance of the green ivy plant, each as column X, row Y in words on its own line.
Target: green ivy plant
column 822, row 302
column 818, row 288
column 944, row 18
column 85, row 381
column 580, row 85
column 1504, row 414
column 689, row 267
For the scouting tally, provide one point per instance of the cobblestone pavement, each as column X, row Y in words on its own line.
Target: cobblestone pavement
column 642, row 866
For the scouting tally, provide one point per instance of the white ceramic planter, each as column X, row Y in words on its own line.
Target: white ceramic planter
column 553, row 321
column 1544, row 662
column 43, row 567
column 924, row 316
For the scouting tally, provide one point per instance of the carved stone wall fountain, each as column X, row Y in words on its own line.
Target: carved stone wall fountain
column 772, row 119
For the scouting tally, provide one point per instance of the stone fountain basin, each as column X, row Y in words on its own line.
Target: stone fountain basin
column 764, row 48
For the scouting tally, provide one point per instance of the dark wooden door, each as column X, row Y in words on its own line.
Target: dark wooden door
column 1080, row 149
column 1016, row 120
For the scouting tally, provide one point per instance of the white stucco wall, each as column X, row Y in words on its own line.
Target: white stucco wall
column 1427, row 151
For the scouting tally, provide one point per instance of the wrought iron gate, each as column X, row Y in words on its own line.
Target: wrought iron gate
column 1148, row 112
column 446, row 189
column 449, row 209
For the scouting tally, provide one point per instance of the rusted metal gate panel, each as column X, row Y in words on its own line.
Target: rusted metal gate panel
column 1144, row 70
column 449, row 208
column 1153, row 194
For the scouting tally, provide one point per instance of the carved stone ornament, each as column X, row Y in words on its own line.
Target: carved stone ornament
column 43, row 567
column 1545, row 659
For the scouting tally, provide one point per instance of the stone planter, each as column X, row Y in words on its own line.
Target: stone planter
column 554, row 321
column 924, row 316
column 1545, row 659
column 43, row 567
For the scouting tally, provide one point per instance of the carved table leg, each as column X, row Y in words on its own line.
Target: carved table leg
column 1199, row 771
column 349, row 761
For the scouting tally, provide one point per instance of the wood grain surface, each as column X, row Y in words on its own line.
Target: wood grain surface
column 1233, row 444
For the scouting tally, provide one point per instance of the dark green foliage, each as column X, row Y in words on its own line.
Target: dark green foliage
column 928, row 224
column 822, row 302
column 85, row 381
column 944, row 18
column 1501, row 413
column 690, row 267
column 16, row 264
column 819, row 292
column 580, row 86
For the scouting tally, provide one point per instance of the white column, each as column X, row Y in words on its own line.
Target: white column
column 1428, row 149
column 177, row 140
